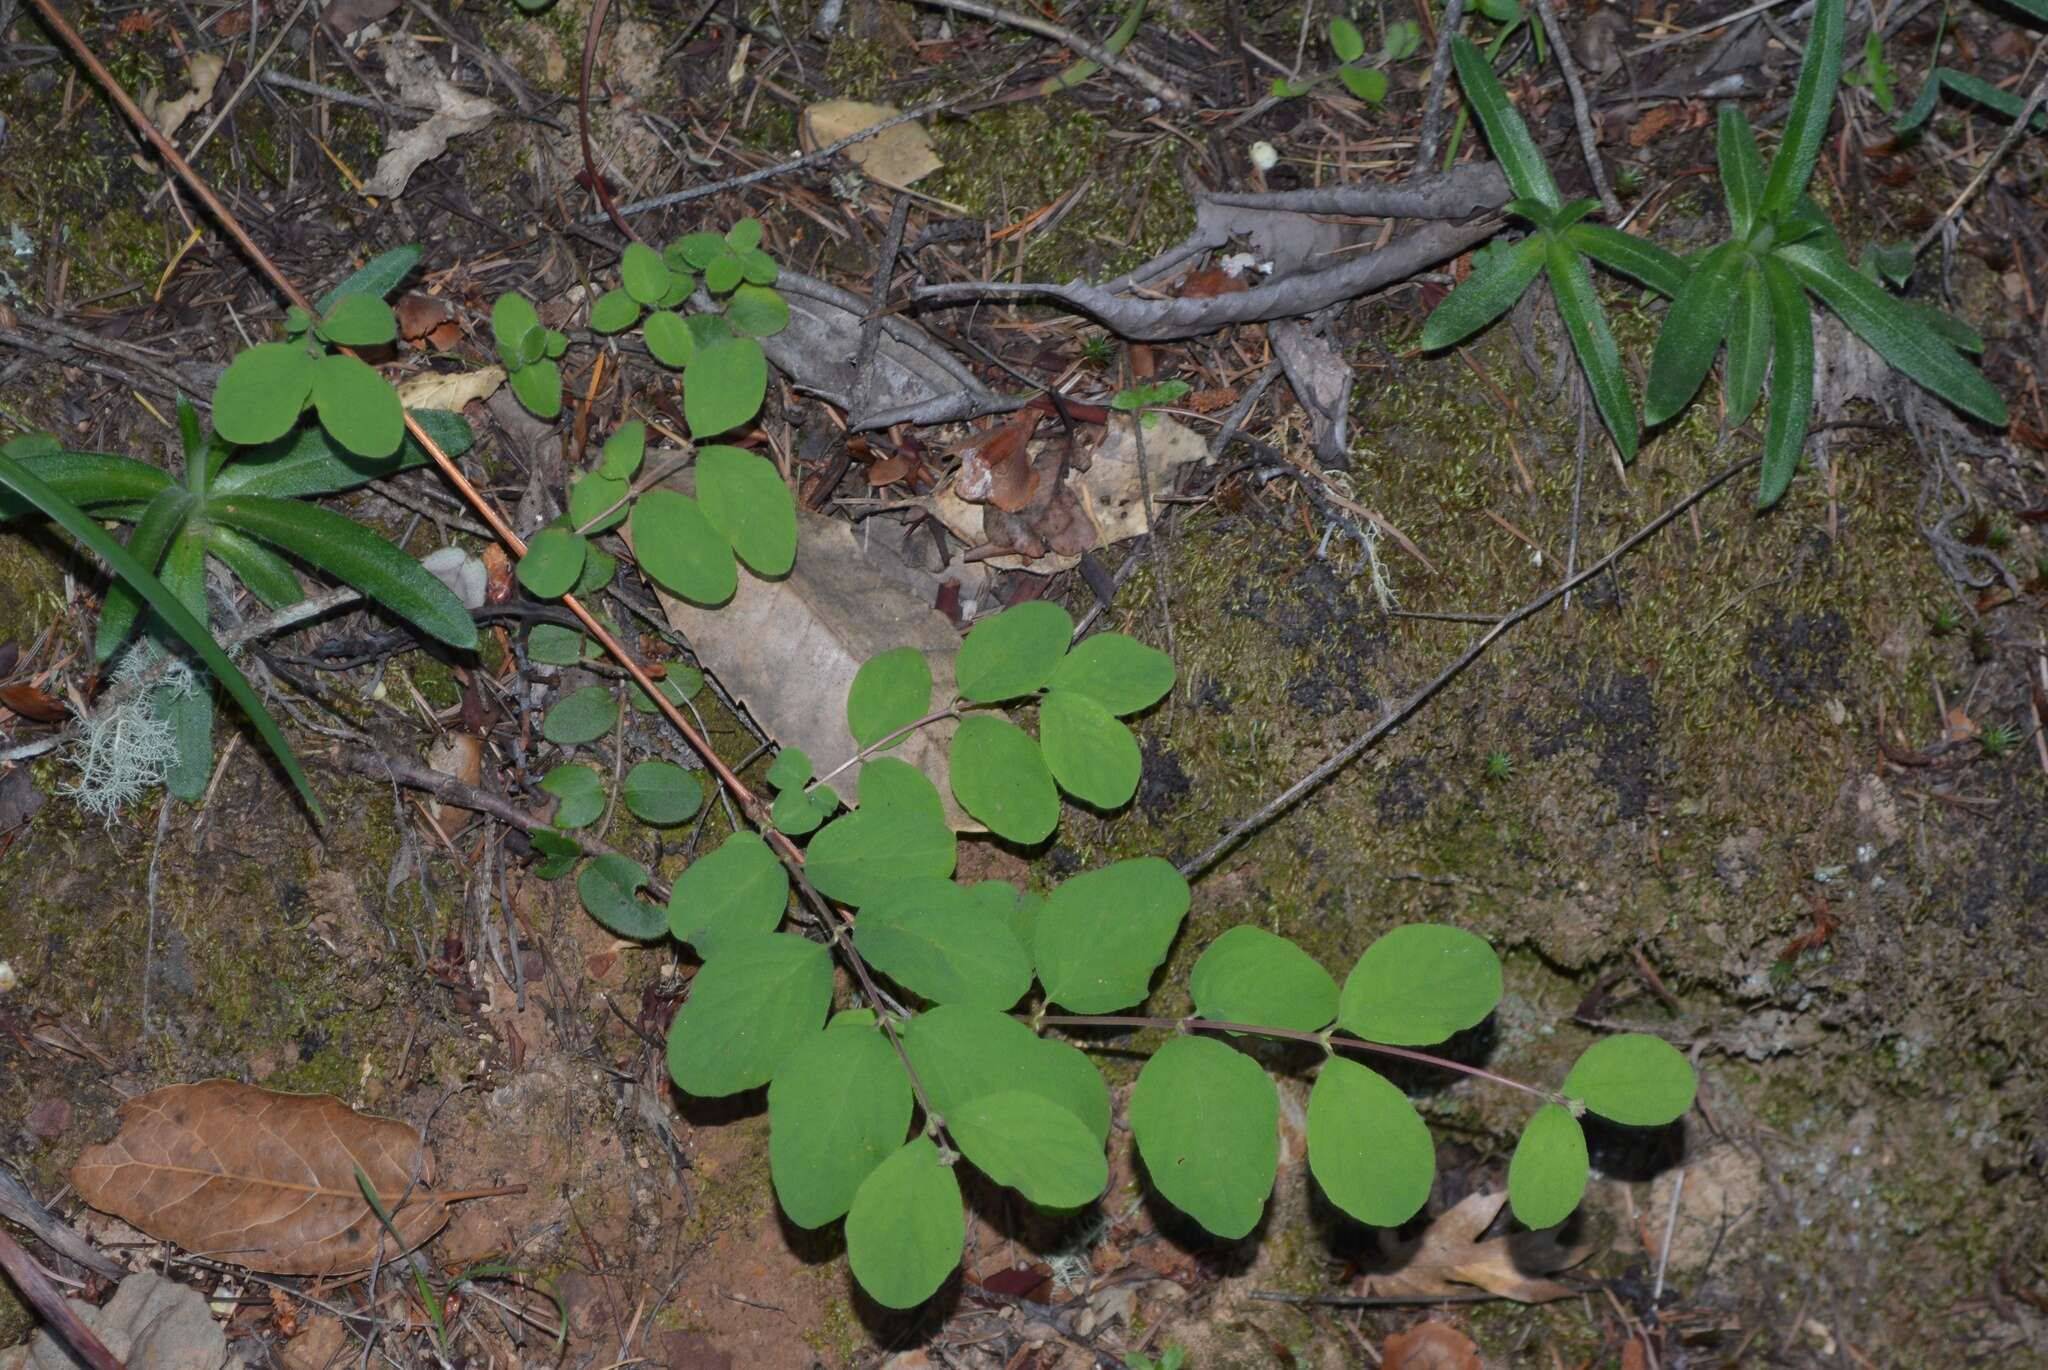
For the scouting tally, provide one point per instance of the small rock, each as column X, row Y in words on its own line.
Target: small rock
column 49, row 1118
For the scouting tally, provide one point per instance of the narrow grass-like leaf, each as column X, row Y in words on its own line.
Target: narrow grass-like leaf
column 162, row 520
column 1749, row 346
column 1742, row 169
column 1878, row 319
column 310, row 462
column 1791, row 403
column 1637, row 258
column 1813, row 100
column 269, row 576
column 1485, row 295
column 189, row 712
column 33, row 490
column 87, row 479
column 1506, row 134
column 1586, row 322
column 1691, row 334
column 355, row 556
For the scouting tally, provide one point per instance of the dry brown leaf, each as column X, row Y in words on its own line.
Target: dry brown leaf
column 1450, row 1257
column 462, row 756
column 898, row 156
column 450, row 391
column 996, row 465
column 455, row 112
column 263, row 1179
column 1206, row 285
column 202, row 72
column 1430, row 1346
column 426, row 319
column 33, row 703
column 889, row 470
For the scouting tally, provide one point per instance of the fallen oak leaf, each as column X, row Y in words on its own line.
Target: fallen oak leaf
column 1450, row 1256
column 1430, row 1346
column 265, row 1180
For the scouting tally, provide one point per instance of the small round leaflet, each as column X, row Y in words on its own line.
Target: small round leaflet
column 1000, row 777
column 661, row 793
column 745, row 499
column 1045, row 1154
column 1117, row 671
column 1419, row 985
column 262, row 392
column 1249, row 975
column 1367, row 1146
column 1547, row 1176
column 1093, row 756
column 723, row 385
column 609, row 886
column 906, row 1228
column 580, row 792
column 891, row 691
column 553, row 562
column 1633, row 1078
column 1014, row 652
column 581, row 717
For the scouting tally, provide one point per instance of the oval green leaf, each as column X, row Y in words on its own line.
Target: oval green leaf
column 838, row 1107
column 1103, row 933
column 262, row 393
column 736, row 892
column 678, row 546
column 1093, row 756
column 906, row 1228
column 752, row 1005
column 553, row 563
column 931, row 937
column 1207, row 1123
column 1367, row 1146
column 579, row 791
column 661, row 793
column 1117, row 671
column 643, row 274
column 1045, row 1154
column 1419, row 985
column 1000, row 777
column 758, row 311
column 669, row 339
column 1547, row 1176
column 890, row 691
column 723, row 385
column 1633, row 1078
column 538, row 386
column 1248, row 975
column 359, row 320
column 582, row 717
column 861, row 857
column 609, row 888
column 615, row 312
column 744, row 497
column 962, row 1053
column 1013, row 653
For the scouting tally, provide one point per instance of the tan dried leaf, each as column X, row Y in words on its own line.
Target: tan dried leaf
column 450, row 390
column 263, row 1179
column 1450, row 1257
column 1430, row 1346
column 897, row 156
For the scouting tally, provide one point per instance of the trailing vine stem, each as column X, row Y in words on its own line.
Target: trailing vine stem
column 1327, row 1040
column 883, row 744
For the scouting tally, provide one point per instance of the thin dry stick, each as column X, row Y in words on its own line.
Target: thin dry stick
column 1439, row 78
column 1160, row 90
column 1195, row 866
column 56, row 1310
column 1998, row 154
column 1589, row 140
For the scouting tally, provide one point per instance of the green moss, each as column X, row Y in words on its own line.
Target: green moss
column 840, row 1336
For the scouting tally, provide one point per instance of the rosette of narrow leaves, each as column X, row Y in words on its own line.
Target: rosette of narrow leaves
column 1751, row 292
column 1558, row 248
column 1008, row 779
column 248, row 509
column 266, row 388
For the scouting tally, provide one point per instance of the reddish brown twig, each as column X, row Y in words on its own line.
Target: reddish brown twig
column 55, row 1309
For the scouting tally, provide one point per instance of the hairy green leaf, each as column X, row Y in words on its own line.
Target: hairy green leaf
column 309, row 462
column 1103, row 933
column 906, row 1228
column 1742, row 169
column 1420, row 984
column 1345, row 40
column 1249, row 975
column 269, row 576
column 837, row 1108
column 1749, row 347
column 1791, row 404
column 163, row 519
column 1637, row 258
column 515, row 328
column 1506, row 134
column 758, row 311
column 597, row 503
column 1206, row 1119
column 643, row 274
column 615, row 312
column 1367, row 1146
column 1692, row 334
column 1813, row 100
column 755, row 1002
column 376, row 278
column 1586, row 322
column 538, row 386
column 1486, row 294
column 1547, row 1176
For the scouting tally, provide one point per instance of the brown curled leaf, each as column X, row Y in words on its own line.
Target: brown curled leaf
column 263, row 1179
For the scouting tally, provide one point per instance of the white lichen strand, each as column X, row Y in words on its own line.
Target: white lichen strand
column 124, row 752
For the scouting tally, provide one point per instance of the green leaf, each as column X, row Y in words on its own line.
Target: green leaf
column 615, row 312
column 624, row 451
column 190, row 713
column 1248, row 975
column 745, row 498
column 661, row 793
column 376, row 278
column 1813, row 100
column 792, row 769
column 582, row 717
column 1103, row 933
column 515, row 328
column 906, row 1228
column 669, row 339
column 1419, row 985
column 359, row 321
column 1206, row 1119
column 1791, row 404
column 758, row 311
column 597, row 503
column 1366, row 83
column 355, row 556
column 732, row 894
column 1547, row 1177
column 538, row 386
column 1633, row 1078
column 962, row 1053
column 1506, row 134
column 1586, row 322
column 643, row 274
column 1345, row 40
column 724, row 273
column 1117, row 671
column 559, row 853
column 262, row 393
column 163, row 519
column 1749, row 347
column 678, row 546
column 931, row 937
column 1093, row 756
column 797, row 812
column 580, row 790
column 551, row 644
column 1742, row 170
column 1485, row 295
column 309, row 462
column 1013, row 653
column 1878, row 319
column 609, row 888
column 723, row 386
column 758, row 267
column 890, row 691
column 838, row 1107
column 179, row 620
column 1637, row 258
column 744, row 235
column 269, row 576
column 1045, row 1154
column 553, row 562
column 1367, row 1146
column 1000, row 777
column 755, row 1002
column 84, row 478
column 860, row 857
column 357, row 406
column 886, row 783
column 1692, row 334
